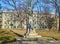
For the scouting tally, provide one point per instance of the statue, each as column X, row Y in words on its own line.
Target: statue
column 29, row 27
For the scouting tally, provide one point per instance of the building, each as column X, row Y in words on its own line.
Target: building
column 0, row 20
column 39, row 20
column 9, row 19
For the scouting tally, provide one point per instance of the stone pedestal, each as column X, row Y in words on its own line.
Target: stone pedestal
column 33, row 34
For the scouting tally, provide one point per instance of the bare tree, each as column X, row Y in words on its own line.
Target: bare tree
column 47, row 11
column 17, row 6
column 56, row 5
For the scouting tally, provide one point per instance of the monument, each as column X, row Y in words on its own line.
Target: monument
column 31, row 33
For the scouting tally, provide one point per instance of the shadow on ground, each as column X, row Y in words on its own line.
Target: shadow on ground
column 12, row 41
column 19, row 35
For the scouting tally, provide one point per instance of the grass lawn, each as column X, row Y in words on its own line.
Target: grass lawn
column 6, row 35
column 19, row 31
column 54, row 34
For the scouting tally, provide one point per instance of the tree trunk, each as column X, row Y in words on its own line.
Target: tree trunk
column 59, row 21
column 21, row 24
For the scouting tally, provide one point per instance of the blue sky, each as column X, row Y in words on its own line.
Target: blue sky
column 36, row 7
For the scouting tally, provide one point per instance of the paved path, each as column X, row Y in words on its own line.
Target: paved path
column 36, row 41
column 42, row 40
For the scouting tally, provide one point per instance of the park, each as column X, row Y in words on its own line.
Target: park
column 29, row 22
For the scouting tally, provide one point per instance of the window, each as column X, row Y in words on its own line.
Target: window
column 33, row 20
column 14, row 26
column 5, row 18
column 0, row 21
column 34, row 27
column 37, row 16
column 18, row 26
column 5, row 23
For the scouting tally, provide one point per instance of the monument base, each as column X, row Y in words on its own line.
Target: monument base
column 33, row 34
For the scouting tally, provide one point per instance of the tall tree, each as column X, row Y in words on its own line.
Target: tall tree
column 18, row 6
column 56, row 5
column 47, row 11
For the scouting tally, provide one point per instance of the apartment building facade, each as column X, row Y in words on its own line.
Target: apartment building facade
column 10, row 20
column 0, row 20
column 39, row 20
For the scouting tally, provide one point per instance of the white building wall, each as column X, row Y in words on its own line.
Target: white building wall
column 36, row 18
column 7, row 16
column 3, row 20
